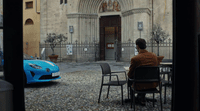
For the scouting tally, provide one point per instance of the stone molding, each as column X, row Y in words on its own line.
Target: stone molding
column 138, row 10
column 86, row 16
column 124, row 14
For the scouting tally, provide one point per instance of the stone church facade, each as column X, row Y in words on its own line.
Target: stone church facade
column 104, row 21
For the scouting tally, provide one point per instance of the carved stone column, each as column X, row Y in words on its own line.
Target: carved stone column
column 136, row 15
column 84, row 26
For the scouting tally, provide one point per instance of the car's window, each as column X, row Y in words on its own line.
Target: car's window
column 27, row 57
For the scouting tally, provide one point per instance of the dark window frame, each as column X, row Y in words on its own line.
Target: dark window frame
column 65, row 1
column 61, row 1
column 29, row 3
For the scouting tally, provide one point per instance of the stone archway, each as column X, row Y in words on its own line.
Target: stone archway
column 86, row 20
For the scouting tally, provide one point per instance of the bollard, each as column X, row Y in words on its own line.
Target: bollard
column 6, row 96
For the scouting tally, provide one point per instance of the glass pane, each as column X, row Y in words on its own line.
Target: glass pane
column 94, row 38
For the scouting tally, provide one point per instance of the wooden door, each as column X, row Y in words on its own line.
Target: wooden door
column 109, row 21
column 119, row 29
column 119, row 38
column 102, row 40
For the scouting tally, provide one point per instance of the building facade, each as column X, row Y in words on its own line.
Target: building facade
column 31, row 27
column 105, row 21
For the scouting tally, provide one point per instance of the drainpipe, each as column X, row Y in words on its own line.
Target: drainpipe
column 36, row 7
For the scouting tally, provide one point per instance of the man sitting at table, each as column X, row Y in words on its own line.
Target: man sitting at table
column 144, row 58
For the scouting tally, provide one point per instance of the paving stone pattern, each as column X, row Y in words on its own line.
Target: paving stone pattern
column 78, row 90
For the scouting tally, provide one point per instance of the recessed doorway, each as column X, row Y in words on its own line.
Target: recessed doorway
column 110, row 32
column 110, row 47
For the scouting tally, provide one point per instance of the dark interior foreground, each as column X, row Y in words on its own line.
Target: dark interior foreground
column 186, row 43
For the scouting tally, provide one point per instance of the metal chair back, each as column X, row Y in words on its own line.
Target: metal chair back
column 106, row 71
column 147, row 74
column 105, row 68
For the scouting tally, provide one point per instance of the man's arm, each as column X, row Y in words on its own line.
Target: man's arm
column 132, row 68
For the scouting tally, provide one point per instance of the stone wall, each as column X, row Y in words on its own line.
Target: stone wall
column 141, row 3
column 130, row 21
column 163, row 15
column 56, row 18
column 31, row 33
column 85, row 27
column 53, row 18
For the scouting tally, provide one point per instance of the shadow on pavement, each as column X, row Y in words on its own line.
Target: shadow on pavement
column 41, row 85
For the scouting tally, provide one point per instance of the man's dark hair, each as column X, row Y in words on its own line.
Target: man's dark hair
column 141, row 43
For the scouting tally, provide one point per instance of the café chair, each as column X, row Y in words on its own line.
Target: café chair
column 166, row 83
column 166, row 70
column 146, row 74
column 106, row 71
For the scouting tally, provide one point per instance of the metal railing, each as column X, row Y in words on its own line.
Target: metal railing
column 90, row 51
column 81, row 52
column 128, row 50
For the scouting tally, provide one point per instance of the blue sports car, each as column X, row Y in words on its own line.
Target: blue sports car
column 39, row 70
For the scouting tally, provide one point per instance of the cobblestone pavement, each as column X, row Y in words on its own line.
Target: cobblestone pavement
column 78, row 90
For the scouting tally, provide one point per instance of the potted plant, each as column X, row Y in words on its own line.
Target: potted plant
column 159, row 35
column 53, row 40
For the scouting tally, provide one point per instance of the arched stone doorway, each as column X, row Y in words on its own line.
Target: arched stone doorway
column 86, row 19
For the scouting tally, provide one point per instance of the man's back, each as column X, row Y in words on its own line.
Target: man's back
column 144, row 58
